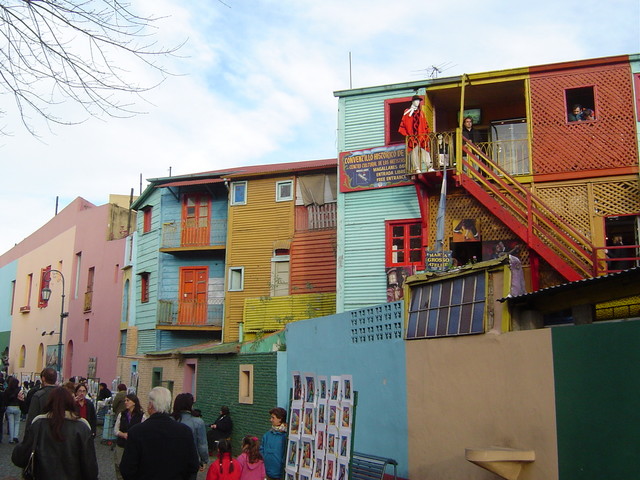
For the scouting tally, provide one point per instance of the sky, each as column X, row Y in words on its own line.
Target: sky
column 253, row 84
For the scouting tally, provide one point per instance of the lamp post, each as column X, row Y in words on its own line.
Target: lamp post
column 46, row 295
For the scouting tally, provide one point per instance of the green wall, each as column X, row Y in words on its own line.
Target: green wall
column 218, row 377
column 597, row 381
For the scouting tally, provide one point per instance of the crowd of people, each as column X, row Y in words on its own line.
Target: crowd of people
column 159, row 442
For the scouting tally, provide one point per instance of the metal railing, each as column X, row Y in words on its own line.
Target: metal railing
column 616, row 258
column 529, row 217
column 185, row 234
column 187, row 313
column 437, row 150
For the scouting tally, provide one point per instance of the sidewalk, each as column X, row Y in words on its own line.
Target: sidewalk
column 104, row 453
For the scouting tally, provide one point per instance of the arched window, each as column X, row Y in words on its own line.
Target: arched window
column 22, row 357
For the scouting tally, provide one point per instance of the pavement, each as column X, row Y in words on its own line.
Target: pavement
column 104, row 453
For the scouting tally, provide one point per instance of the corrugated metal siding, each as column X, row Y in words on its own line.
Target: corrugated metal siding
column 363, row 242
column 313, row 262
column 273, row 313
column 364, row 119
column 252, row 230
column 148, row 261
column 166, row 340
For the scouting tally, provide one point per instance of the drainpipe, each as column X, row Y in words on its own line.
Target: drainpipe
column 460, row 125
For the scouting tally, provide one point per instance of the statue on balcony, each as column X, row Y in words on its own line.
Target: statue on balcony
column 415, row 127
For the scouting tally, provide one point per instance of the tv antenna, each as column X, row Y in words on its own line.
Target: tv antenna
column 434, row 70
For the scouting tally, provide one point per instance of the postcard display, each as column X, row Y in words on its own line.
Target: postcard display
column 321, row 422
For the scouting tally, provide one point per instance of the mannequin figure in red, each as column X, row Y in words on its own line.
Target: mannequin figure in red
column 414, row 126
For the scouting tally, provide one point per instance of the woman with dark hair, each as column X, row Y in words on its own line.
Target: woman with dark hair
column 12, row 405
column 85, row 407
column 225, row 467
column 62, row 442
column 183, row 413
column 130, row 416
column 220, row 429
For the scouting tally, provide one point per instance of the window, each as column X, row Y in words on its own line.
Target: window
column 156, row 377
column 123, row 343
column 22, row 357
column 447, row 308
column 239, row 193
column 284, row 191
column 88, row 295
column 245, row 384
column 146, row 219
column 404, row 240
column 580, row 104
column 144, row 287
column 393, row 111
column 86, row 329
column 76, row 288
column 236, row 279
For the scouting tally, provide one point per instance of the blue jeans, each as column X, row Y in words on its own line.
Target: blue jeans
column 13, row 417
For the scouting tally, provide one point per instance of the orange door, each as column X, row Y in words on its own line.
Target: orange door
column 192, row 309
column 195, row 220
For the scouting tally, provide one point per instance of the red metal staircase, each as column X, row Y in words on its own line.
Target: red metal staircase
column 566, row 249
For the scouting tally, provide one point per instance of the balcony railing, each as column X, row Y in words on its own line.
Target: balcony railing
column 436, row 151
column 316, row 217
column 190, row 314
column 184, row 234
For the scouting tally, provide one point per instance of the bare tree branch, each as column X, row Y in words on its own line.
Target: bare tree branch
column 53, row 51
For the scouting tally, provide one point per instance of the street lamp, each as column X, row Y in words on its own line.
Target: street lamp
column 46, row 295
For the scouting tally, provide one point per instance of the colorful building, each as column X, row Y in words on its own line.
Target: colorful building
column 226, row 255
column 77, row 255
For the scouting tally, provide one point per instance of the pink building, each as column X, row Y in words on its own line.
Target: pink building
column 86, row 244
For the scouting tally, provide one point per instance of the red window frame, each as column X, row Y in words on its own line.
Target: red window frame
column 408, row 234
column 393, row 110
column 146, row 221
column 144, row 287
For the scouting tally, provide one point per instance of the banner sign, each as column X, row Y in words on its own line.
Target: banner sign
column 436, row 261
column 378, row 167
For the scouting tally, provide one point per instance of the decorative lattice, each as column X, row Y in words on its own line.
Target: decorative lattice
column 461, row 206
column 617, row 198
column 609, row 142
column 569, row 202
column 377, row 324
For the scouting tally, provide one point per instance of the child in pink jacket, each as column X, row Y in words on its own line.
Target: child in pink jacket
column 251, row 460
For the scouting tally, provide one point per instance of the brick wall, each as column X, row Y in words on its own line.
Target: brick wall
column 218, row 385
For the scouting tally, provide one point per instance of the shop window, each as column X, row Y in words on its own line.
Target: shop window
column 581, row 104
column 404, row 243
column 447, row 308
column 393, row 110
column 239, row 193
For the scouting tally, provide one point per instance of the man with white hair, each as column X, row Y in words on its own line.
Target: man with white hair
column 159, row 448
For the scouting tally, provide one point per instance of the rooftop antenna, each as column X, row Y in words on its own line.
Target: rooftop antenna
column 350, row 76
column 434, row 70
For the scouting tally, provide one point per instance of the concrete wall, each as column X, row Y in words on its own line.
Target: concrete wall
column 480, row 391
column 348, row 343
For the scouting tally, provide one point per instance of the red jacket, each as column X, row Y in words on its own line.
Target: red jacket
column 217, row 473
column 416, row 127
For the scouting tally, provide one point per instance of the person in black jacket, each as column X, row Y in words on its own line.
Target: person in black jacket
column 63, row 442
column 85, row 407
column 159, row 448
column 220, row 429
column 49, row 377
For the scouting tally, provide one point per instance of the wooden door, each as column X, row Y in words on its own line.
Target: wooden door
column 192, row 309
column 195, row 220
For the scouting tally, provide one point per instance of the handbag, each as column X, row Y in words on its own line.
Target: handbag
column 28, row 473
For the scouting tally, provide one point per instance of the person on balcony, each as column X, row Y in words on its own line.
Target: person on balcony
column 575, row 115
column 415, row 127
column 469, row 132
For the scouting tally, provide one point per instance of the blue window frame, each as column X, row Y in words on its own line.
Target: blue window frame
column 447, row 308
